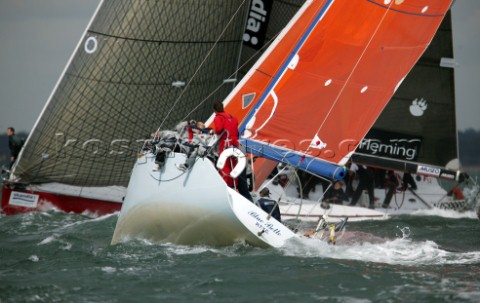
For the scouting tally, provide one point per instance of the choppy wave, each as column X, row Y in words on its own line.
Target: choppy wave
column 445, row 213
column 68, row 258
column 367, row 247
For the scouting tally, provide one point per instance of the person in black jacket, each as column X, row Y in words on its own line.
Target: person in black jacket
column 15, row 144
column 268, row 205
column 366, row 182
column 390, row 184
column 336, row 195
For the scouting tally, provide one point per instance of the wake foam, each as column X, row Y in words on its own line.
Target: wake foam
column 366, row 247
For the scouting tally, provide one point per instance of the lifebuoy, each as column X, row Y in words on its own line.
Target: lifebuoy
column 233, row 152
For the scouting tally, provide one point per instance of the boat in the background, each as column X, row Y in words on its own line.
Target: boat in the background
column 429, row 198
column 416, row 135
column 131, row 66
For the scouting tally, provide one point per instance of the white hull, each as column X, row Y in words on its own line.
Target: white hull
column 192, row 207
column 428, row 200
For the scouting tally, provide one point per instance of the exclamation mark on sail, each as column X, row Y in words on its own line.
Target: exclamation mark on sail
column 317, row 143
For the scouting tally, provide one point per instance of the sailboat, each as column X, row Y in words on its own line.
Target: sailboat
column 415, row 134
column 307, row 102
column 133, row 62
column 423, row 140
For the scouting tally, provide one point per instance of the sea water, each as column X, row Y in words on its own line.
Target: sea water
column 59, row 257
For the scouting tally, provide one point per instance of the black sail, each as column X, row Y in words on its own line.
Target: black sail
column 275, row 15
column 136, row 68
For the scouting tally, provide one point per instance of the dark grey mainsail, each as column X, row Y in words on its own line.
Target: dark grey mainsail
column 417, row 129
column 273, row 18
column 135, row 69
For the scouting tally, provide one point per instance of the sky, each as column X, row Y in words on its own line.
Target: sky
column 37, row 38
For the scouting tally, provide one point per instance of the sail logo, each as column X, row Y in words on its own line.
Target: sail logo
column 247, row 100
column 266, row 227
column 418, row 107
column 392, row 149
column 448, row 175
column 391, row 145
column 429, row 171
column 317, row 143
column 23, row 199
column 91, row 45
column 257, row 20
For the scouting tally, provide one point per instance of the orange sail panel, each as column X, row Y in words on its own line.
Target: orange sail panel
column 322, row 84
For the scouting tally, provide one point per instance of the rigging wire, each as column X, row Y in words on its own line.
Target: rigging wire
column 290, row 177
column 267, row 44
column 200, row 66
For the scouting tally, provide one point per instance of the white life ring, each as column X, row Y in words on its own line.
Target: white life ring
column 233, row 152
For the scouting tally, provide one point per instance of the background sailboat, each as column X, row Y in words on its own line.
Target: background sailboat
column 432, row 76
column 419, row 142
column 417, row 134
column 132, row 64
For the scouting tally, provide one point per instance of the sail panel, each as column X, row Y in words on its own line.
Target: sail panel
column 279, row 15
column 418, row 124
column 134, row 66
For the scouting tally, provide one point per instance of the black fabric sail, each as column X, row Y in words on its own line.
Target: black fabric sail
column 275, row 14
column 135, row 68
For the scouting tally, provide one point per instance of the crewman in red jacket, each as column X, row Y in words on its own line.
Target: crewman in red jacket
column 226, row 126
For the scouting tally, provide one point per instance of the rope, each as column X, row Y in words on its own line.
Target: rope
column 294, row 173
column 403, row 198
column 231, row 167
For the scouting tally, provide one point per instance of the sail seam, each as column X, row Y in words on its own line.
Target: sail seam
column 123, row 82
column 165, row 41
column 405, row 12
column 264, row 73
